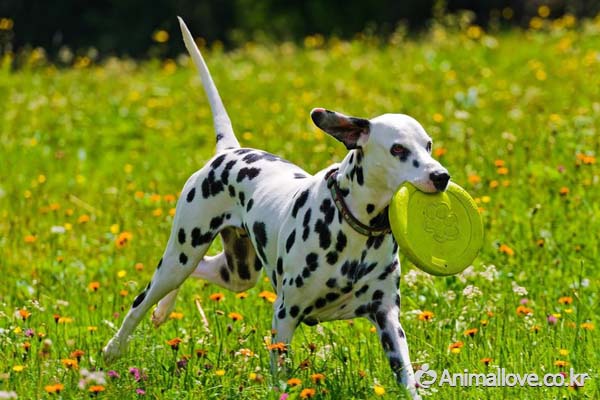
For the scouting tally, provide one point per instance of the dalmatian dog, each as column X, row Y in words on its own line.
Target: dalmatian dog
column 324, row 240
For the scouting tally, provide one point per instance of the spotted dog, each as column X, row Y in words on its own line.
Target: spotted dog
column 323, row 240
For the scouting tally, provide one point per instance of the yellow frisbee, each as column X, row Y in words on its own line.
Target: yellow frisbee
column 441, row 233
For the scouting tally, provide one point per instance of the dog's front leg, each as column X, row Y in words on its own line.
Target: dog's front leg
column 394, row 343
column 283, row 327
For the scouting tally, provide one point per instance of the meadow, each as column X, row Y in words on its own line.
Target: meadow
column 93, row 156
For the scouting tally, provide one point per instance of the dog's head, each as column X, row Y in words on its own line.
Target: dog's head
column 396, row 148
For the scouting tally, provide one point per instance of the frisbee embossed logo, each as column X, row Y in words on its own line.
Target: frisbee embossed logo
column 440, row 222
column 425, row 377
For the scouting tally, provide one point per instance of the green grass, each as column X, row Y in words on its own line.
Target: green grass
column 109, row 143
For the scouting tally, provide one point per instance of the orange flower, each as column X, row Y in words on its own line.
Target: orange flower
column 235, row 316
column 307, row 393
column 506, row 250
column 523, row 310
column 280, row 347
column 486, row 360
column 426, row 316
column 24, row 314
column 83, row 219
column 588, row 326
column 123, row 238
column 246, row 352
column 269, row 296
column 474, row 179
column 241, row 295
column 560, row 363
column 439, row 152
column 169, row 198
column 471, row 332
column 56, row 388
column 456, row 345
column 70, row 363
column 502, row 171
column 77, row 354
column 30, row 239
column 139, row 266
column 176, row 315
column 123, row 293
column 535, row 328
column 174, row 343
column 96, row 389
column 565, row 300
column 564, row 191
column 499, row 163
column 217, row 296
column 494, row 184
column 94, row 286
column 317, row 378
column 294, row 382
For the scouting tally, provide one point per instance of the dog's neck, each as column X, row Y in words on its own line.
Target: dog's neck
column 367, row 196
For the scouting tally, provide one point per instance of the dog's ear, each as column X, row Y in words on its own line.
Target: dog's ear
column 353, row 132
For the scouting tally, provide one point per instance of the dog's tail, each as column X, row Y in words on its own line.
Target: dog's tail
column 225, row 136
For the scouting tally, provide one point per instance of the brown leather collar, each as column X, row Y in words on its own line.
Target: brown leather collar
column 342, row 207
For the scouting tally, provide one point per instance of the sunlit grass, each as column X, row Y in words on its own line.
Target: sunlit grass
column 93, row 158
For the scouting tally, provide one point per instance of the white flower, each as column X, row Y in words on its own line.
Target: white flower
column 58, row 229
column 520, row 290
column 471, row 291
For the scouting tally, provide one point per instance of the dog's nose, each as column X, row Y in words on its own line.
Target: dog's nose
column 440, row 180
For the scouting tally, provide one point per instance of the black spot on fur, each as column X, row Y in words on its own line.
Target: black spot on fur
column 305, row 272
column 375, row 241
column 347, row 289
column 377, row 295
column 281, row 314
column 279, row 266
column 251, row 158
column 381, row 319
column 219, row 137
column 242, row 151
column 306, row 225
column 361, row 291
column 397, row 300
column 299, row 281
column 211, row 186
column 332, row 257
column 299, row 203
column 216, row 222
column 341, row 241
column 395, row 364
column 320, row 303
column 307, row 310
column 361, row 310
column 359, row 176
column 139, row 299
column 183, row 259
column 386, row 341
column 242, row 198
column 388, row 270
column 370, row 208
column 299, row 176
column 274, row 278
column 260, row 235
column 312, row 261
column 290, row 241
column 328, row 210
column 217, row 161
column 198, row 238
column 190, row 195
column 181, row 236
column 224, row 274
column 159, row 263
column 250, row 204
column 243, row 270
column 294, row 311
column 324, row 234
column 332, row 296
column 249, row 173
column 416, row 164
column 331, row 283
column 401, row 332
column 231, row 191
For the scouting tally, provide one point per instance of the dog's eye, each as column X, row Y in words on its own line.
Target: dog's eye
column 399, row 150
column 429, row 144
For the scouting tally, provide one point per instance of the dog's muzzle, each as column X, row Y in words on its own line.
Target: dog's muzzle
column 440, row 180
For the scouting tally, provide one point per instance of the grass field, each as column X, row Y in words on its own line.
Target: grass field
column 93, row 156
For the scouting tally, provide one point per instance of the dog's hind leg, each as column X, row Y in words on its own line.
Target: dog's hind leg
column 236, row 268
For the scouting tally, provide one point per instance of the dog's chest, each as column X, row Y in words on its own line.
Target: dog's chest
column 327, row 271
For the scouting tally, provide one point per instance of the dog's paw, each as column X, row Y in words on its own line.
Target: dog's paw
column 159, row 316
column 113, row 350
